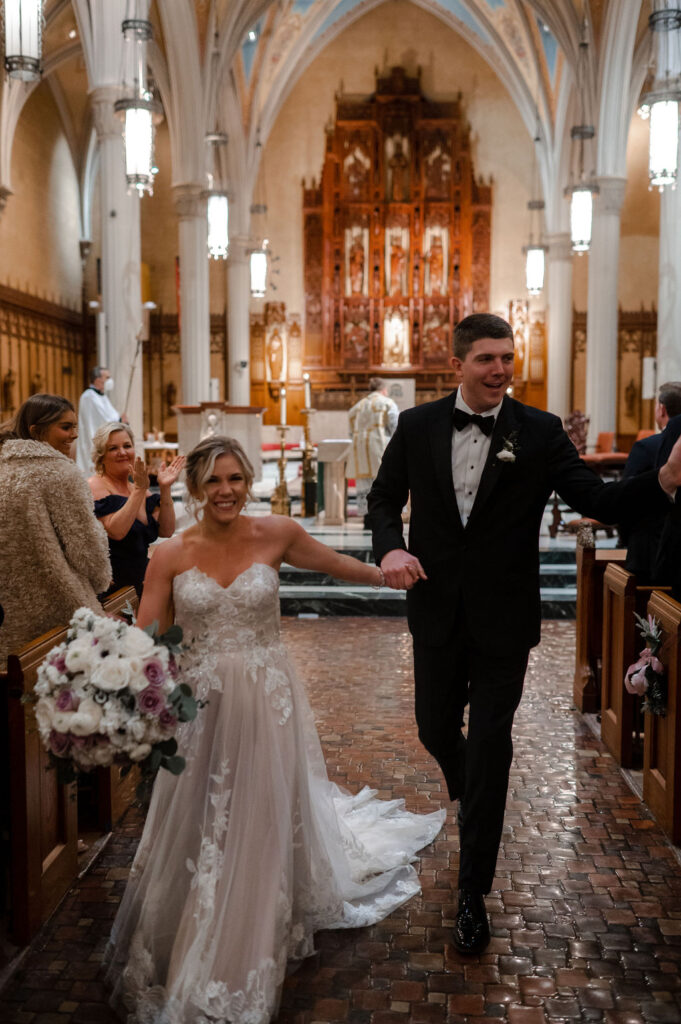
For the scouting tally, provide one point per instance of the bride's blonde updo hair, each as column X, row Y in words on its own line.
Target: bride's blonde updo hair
column 201, row 463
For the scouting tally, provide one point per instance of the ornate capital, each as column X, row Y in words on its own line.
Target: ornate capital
column 107, row 124
column 189, row 201
column 560, row 246
column 610, row 195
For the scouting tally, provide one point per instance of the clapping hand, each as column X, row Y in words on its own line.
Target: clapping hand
column 140, row 476
column 167, row 475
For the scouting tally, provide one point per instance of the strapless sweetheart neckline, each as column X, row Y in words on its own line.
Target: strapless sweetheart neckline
column 207, row 576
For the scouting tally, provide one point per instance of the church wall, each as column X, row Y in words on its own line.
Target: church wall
column 399, row 33
column 40, row 227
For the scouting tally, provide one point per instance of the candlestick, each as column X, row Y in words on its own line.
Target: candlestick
column 308, row 391
column 282, row 407
column 280, row 500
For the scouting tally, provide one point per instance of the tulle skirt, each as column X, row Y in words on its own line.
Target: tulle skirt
column 248, row 853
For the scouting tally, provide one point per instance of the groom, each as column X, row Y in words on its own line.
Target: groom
column 480, row 468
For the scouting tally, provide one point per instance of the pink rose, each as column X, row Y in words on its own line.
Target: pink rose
column 67, row 701
column 167, row 720
column 636, row 679
column 153, row 670
column 60, row 743
column 79, row 741
column 59, row 663
column 173, row 668
column 151, row 701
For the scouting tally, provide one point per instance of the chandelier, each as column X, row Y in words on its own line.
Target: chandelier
column 217, row 205
column 137, row 106
column 661, row 103
column 23, row 39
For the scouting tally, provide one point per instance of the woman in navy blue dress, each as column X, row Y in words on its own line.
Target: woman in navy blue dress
column 132, row 516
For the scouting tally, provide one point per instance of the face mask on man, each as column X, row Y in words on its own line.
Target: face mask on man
column 108, row 384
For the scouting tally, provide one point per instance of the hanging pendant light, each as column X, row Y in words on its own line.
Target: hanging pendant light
column 217, row 205
column 259, row 266
column 582, row 187
column 535, row 252
column 535, row 259
column 138, row 108
column 23, row 39
column 662, row 102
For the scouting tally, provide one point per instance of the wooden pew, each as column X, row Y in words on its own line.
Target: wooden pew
column 662, row 744
column 621, row 717
column 591, row 565
column 43, row 813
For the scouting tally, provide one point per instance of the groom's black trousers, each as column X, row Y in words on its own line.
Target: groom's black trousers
column 475, row 767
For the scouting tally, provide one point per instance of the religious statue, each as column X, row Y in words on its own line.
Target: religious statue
column 395, row 341
column 357, row 265
column 356, row 166
column 436, row 264
column 438, row 172
column 399, row 173
column 8, row 382
column 275, row 355
column 36, row 386
column 397, row 263
column 171, row 397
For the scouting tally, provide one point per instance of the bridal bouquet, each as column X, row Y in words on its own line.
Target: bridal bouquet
column 110, row 694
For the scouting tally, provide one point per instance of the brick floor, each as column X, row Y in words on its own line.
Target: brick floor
column 586, row 909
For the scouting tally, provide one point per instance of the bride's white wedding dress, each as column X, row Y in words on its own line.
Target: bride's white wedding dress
column 252, row 849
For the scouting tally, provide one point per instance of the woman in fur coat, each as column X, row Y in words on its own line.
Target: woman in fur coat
column 54, row 554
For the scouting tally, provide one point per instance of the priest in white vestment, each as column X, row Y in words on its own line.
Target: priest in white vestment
column 94, row 409
column 372, row 423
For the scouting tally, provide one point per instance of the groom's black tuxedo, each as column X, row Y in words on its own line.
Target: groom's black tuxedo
column 477, row 615
column 489, row 570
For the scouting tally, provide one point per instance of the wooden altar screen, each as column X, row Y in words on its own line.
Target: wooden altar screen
column 396, row 238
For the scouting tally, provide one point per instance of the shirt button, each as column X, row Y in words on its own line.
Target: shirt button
column 475, row 440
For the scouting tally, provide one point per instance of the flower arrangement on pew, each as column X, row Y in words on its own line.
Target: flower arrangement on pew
column 646, row 677
column 110, row 693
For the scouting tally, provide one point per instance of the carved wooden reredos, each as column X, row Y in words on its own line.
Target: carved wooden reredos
column 396, row 239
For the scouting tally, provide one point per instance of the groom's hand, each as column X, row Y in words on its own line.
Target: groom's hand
column 670, row 474
column 402, row 570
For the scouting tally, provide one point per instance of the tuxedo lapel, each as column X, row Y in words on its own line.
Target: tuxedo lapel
column 441, row 427
column 505, row 425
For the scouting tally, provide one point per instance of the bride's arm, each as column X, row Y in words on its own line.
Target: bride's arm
column 157, row 596
column 305, row 552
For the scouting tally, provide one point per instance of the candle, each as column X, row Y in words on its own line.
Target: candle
column 282, row 406
column 308, row 391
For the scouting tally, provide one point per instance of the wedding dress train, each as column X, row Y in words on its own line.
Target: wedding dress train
column 252, row 849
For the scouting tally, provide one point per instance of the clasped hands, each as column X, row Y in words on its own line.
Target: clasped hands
column 402, row 570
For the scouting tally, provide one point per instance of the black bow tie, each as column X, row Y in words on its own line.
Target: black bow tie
column 462, row 419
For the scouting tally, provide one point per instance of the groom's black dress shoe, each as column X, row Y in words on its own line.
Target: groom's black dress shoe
column 471, row 929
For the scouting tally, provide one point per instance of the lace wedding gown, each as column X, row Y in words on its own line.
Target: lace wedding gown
column 252, row 849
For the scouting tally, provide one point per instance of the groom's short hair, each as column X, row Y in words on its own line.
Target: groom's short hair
column 478, row 325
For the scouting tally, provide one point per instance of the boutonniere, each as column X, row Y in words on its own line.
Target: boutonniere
column 509, row 448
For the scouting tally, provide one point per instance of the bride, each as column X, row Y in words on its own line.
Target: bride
column 252, row 849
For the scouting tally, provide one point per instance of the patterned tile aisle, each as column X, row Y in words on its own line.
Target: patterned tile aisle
column 586, row 914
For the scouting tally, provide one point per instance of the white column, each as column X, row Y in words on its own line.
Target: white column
column 238, row 321
column 669, row 291
column 559, row 315
column 601, row 326
column 194, row 294
column 121, row 246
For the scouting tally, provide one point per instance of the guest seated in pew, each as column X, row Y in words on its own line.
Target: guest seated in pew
column 54, row 552
column 132, row 516
column 642, row 538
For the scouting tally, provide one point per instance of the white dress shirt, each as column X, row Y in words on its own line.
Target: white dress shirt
column 470, row 448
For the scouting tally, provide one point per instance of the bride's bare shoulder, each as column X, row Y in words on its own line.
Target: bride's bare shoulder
column 273, row 526
column 168, row 556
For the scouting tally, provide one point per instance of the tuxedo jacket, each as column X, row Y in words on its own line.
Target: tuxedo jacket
column 667, row 563
column 488, row 571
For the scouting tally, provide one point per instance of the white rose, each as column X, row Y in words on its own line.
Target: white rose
column 113, row 717
column 136, row 643
column 45, row 711
column 62, row 720
column 82, row 618
column 80, row 654
column 506, row 455
column 136, row 728
column 140, row 752
column 105, row 629
column 138, row 680
column 54, row 677
column 86, row 719
column 111, row 674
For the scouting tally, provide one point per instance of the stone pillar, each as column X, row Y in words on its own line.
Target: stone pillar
column 238, row 321
column 121, row 247
column 601, row 339
column 559, row 315
column 194, row 293
column 669, row 291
